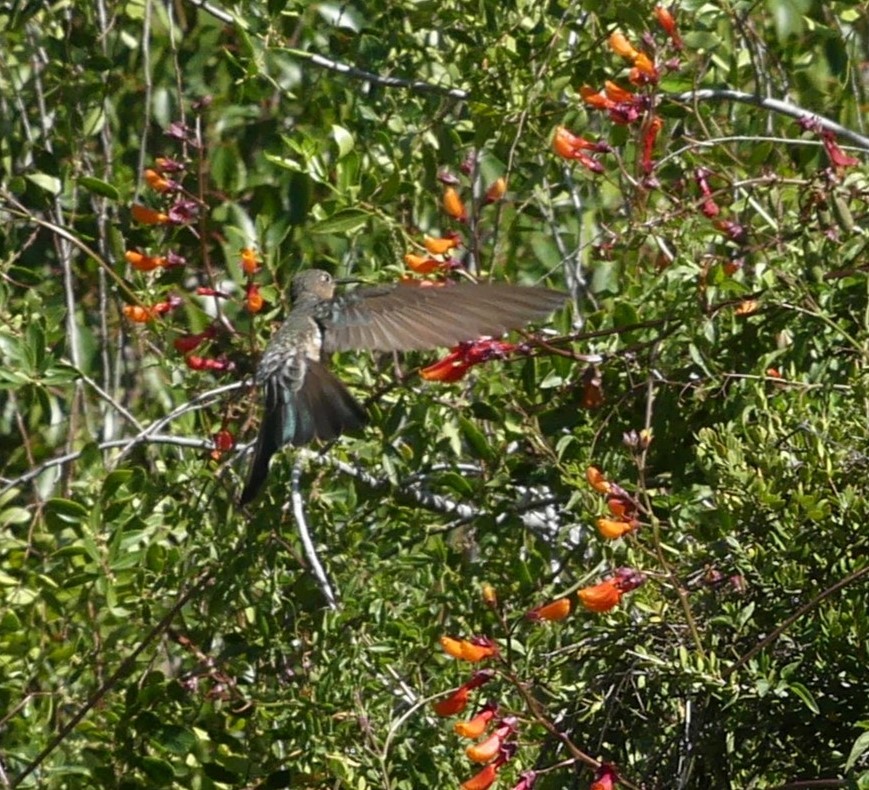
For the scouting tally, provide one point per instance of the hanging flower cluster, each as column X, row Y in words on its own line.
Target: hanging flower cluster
column 621, row 505
column 627, row 108
column 167, row 212
column 493, row 733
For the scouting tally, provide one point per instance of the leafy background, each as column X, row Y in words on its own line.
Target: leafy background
column 154, row 635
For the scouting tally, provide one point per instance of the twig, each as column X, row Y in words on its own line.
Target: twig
column 776, row 105
column 119, row 674
column 305, row 535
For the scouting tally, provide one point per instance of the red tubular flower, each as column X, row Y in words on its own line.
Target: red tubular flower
column 207, row 363
column 605, row 778
column 710, row 208
column 187, row 343
column 621, row 505
column 204, row 290
column 464, row 356
column 223, row 440
column 476, row 726
column 482, row 780
column 838, row 158
column 644, row 71
column 170, row 303
column 458, row 700
column 650, row 134
column 449, row 369
column 486, row 778
column 553, row 611
column 666, row 21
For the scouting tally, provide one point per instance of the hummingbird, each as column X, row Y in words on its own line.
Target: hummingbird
column 304, row 400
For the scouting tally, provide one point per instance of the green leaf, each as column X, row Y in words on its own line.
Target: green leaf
column 346, row 221
column 860, row 747
column 344, row 140
column 51, row 184
column 99, row 187
column 476, row 440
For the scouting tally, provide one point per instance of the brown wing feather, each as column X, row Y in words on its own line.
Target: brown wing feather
column 406, row 318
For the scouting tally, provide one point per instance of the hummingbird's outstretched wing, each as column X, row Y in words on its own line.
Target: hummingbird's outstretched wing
column 407, row 318
column 303, row 401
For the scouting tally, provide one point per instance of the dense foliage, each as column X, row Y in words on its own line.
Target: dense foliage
column 686, row 445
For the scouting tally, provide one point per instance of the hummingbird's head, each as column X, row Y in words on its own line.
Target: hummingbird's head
column 314, row 282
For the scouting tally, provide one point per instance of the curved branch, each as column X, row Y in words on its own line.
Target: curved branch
column 776, row 105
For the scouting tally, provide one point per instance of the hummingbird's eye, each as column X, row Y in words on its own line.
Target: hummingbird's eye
column 326, row 277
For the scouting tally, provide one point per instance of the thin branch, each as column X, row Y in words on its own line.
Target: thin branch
column 776, row 105
column 305, row 535
column 119, row 674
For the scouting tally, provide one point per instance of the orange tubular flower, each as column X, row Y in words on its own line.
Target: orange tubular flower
column 595, row 98
column 440, row 246
column 601, row 597
column 644, row 65
column 622, row 47
column 137, row 314
column 618, row 94
column 157, row 182
column 489, row 594
column 253, row 299
column 612, row 529
column 476, row 726
column 469, row 650
column 421, row 264
column 554, row 611
column 496, row 191
column 453, row 205
column 143, row 263
column 568, row 146
column 485, row 751
column 249, row 261
column 148, row 216
column 597, row 481
column 483, row 780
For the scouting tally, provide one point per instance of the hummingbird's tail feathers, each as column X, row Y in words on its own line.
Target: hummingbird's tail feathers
column 324, row 409
column 267, row 444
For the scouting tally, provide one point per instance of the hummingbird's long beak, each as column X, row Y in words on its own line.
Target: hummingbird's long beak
column 346, row 280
